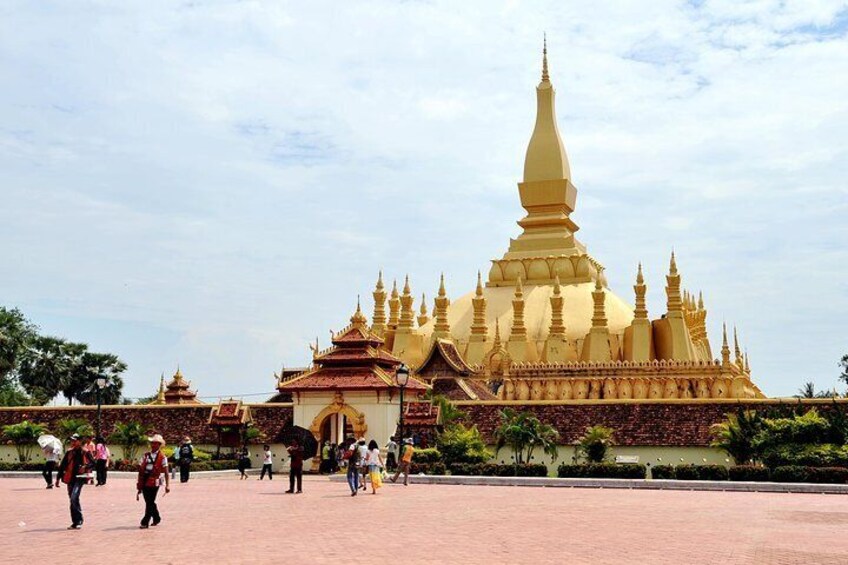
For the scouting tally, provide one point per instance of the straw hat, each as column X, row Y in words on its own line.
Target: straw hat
column 156, row 438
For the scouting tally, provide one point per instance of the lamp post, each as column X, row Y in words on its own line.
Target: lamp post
column 402, row 380
column 101, row 384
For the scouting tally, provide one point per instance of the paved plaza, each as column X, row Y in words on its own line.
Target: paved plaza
column 227, row 521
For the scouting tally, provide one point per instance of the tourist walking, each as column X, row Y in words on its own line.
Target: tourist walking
column 267, row 463
column 352, row 456
column 391, row 454
column 375, row 466
column 151, row 470
column 75, row 471
column 102, row 457
column 88, row 446
column 363, row 467
column 324, row 466
column 186, row 457
column 405, row 462
column 296, row 467
column 52, row 453
column 243, row 463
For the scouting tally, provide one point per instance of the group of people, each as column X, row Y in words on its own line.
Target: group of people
column 86, row 462
column 366, row 461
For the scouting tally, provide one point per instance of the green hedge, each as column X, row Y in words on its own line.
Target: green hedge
column 603, row 471
column 499, row 470
column 799, row 455
column 663, row 472
column 748, row 473
column 800, row 474
column 222, row 465
column 437, row 468
column 701, row 473
column 429, row 455
column 16, row 466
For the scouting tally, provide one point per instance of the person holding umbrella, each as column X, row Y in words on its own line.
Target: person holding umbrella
column 75, row 471
column 153, row 466
column 51, row 447
column 296, row 468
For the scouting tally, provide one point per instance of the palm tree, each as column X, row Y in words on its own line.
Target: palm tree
column 807, row 391
column 595, row 443
column 130, row 437
column 448, row 413
column 524, row 433
column 735, row 436
column 24, row 436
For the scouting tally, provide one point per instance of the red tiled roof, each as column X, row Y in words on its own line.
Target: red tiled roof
column 446, row 349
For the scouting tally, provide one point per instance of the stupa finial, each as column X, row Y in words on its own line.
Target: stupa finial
column 725, row 348
column 545, row 77
column 479, row 290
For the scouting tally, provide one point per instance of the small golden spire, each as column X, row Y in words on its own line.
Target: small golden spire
column 672, row 268
column 380, row 280
column 358, row 319
column 557, row 329
column 378, row 320
column 406, row 289
column 442, row 286
column 441, row 327
column 641, row 310
column 725, row 349
column 479, row 291
column 736, row 349
column 545, row 77
column 599, row 317
column 160, row 396
column 497, row 342
column 639, row 278
column 394, row 307
column 423, row 317
column 518, row 331
column 519, row 288
column 557, row 289
column 478, row 321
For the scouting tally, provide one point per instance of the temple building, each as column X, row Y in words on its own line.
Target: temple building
column 177, row 391
column 545, row 325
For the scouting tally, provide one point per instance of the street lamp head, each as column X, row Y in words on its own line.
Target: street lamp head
column 101, row 383
column 402, row 375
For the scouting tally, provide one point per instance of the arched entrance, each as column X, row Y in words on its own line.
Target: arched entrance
column 337, row 422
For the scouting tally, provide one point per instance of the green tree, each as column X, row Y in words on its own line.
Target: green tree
column 737, row 434
column 843, row 365
column 24, row 436
column 523, row 433
column 459, row 444
column 449, row 414
column 16, row 334
column 93, row 366
column 130, row 437
column 46, row 367
column 595, row 444
column 67, row 427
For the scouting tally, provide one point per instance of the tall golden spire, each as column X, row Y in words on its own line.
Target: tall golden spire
column 441, row 328
column 545, row 158
column 674, row 302
column 160, row 396
column 478, row 303
column 407, row 313
column 423, row 317
column 641, row 310
column 378, row 325
column 557, row 329
column 599, row 317
column 725, row 349
column 737, row 350
column 518, row 331
column 394, row 307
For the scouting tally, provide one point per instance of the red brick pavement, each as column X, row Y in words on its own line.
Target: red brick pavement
column 227, row 521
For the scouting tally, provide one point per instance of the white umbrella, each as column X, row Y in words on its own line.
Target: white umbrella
column 48, row 442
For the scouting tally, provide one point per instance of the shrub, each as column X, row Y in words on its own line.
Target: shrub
column 830, row 475
column 499, row 470
column 594, row 444
column 429, row 455
column 130, row 437
column 663, row 472
column 700, row 473
column 459, row 444
column 737, row 435
column 748, row 473
column 809, row 428
column 67, row 427
column 26, row 466
column 603, row 471
column 792, row 474
column 436, row 468
column 826, row 455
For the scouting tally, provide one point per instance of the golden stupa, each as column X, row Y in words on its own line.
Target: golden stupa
column 545, row 326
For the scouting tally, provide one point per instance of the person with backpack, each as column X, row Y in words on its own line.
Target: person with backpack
column 186, row 457
column 152, row 468
column 75, row 471
column 352, row 457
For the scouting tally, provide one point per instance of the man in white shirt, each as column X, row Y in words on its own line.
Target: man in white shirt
column 267, row 463
column 52, row 454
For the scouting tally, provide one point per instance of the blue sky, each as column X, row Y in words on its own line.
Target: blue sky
column 213, row 183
